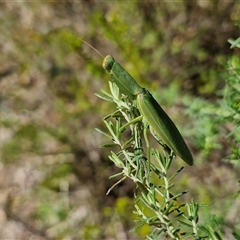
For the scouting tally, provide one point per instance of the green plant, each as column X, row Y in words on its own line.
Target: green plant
column 156, row 202
column 232, row 100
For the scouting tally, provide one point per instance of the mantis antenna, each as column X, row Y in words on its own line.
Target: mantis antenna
column 92, row 47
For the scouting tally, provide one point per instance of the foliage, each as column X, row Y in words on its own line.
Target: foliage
column 163, row 210
column 212, row 118
column 232, row 99
column 155, row 205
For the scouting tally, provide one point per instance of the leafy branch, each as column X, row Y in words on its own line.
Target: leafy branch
column 156, row 205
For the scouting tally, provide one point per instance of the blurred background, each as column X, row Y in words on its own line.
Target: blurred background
column 53, row 175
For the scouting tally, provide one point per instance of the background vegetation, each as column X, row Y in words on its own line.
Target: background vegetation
column 53, row 175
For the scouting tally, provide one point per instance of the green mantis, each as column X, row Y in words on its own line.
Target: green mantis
column 151, row 111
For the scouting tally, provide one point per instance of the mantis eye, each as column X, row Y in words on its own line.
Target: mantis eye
column 108, row 63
